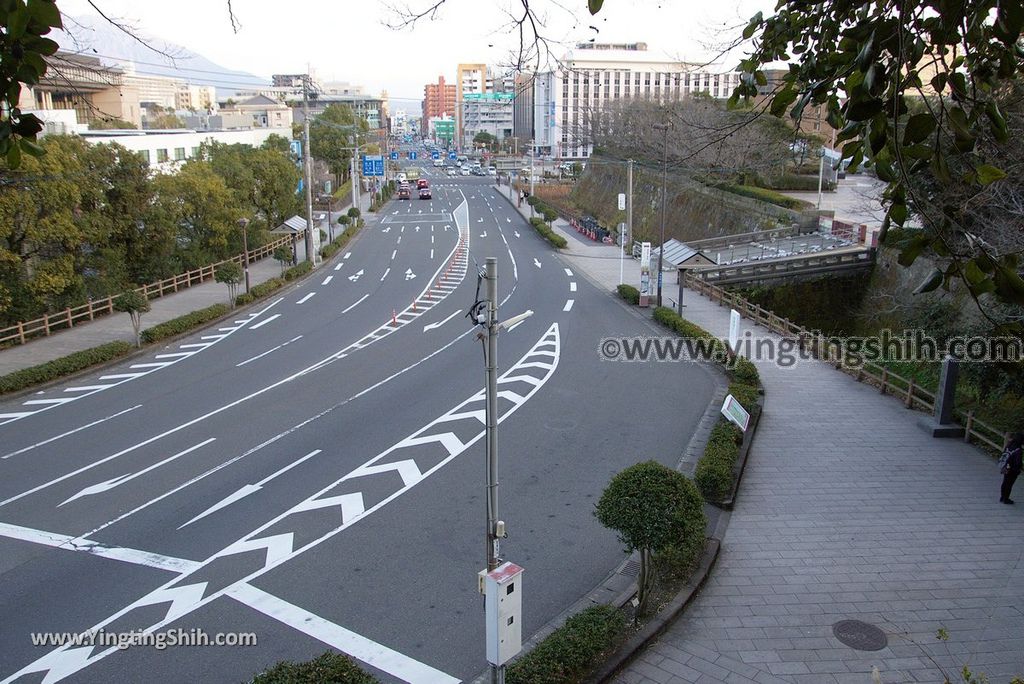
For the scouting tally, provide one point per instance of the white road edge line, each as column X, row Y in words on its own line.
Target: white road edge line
column 69, row 432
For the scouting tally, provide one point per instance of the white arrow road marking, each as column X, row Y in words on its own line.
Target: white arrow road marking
column 508, row 220
column 536, row 262
column 432, row 326
column 409, row 275
column 355, row 276
column 480, row 220
column 386, row 230
column 265, row 321
column 189, row 592
column 101, row 487
column 349, row 308
column 306, row 298
column 483, row 234
column 69, row 432
column 248, row 489
column 417, row 229
column 516, row 233
column 394, row 212
column 386, row 271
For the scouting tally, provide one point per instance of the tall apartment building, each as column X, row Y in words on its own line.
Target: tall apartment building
column 438, row 102
column 84, row 85
column 522, row 109
column 592, row 75
column 484, row 103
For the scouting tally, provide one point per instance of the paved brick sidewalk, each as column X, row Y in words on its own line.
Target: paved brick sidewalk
column 847, row 510
column 118, row 326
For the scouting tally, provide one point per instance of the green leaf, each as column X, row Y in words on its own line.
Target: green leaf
column 864, row 108
column 989, row 174
column 594, row 6
column 760, row 78
column 783, row 99
column 14, row 156
column 940, row 169
column 918, row 127
column 912, row 250
column 898, row 213
column 918, row 151
column 1008, row 285
column 751, row 27
column 972, row 274
column 997, row 122
column 930, row 283
column 45, row 12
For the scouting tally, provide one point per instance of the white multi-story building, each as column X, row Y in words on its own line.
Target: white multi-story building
column 483, row 103
column 197, row 98
column 167, row 150
column 592, row 75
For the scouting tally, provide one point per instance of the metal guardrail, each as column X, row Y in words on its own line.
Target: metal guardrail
column 905, row 389
column 817, row 262
column 740, row 238
column 24, row 331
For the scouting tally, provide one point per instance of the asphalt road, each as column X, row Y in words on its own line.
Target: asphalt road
column 313, row 471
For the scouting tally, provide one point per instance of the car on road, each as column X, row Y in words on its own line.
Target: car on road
column 465, row 171
column 422, row 183
column 404, row 193
column 492, row 171
column 425, row 193
column 453, row 171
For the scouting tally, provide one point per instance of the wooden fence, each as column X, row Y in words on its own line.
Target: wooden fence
column 71, row 316
column 826, row 349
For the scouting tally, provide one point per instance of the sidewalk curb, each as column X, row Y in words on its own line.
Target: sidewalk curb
column 660, row 622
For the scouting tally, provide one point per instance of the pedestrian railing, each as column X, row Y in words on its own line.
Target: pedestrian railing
column 824, row 348
column 25, row 331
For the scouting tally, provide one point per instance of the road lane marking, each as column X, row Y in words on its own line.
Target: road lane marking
column 195, row 345
column 393, row 254
column 86, row 388
column 248, row 489
column 568, row 272
column 327, row 280
column 107, row 485
column 44, row 402
column 185, row 594
column 347, row 255
column 121, row 376
column 306, row 298
column 352, row 306
column 572, row 286
column 151, row 365
column 359, row 647
column 69, row 432
column 265, row 321
column 568, row 305
column 173, row 355
column 338, row 267
column 431, row 252
column 432, row 326
column 260, row 356
column 386, row 271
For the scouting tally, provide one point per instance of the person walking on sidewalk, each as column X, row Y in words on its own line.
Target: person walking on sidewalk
column 1011, row 469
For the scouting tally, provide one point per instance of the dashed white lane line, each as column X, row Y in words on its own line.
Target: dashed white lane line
column 352, row 306
column 327, row 280
column 347, row 255
column 69, row 432
column 306, row 298
column 260, row 356
column 338, row 267
column 568, row 272
column 386, row 271
column 265, row 321
column 393, row 254
column 431, row 252
column 572, row 286
column 568, row 305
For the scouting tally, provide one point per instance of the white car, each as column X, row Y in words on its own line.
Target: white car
column 453, row 172
column 492, row 171
column 465, row 171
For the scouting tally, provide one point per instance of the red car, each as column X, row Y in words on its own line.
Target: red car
column 422, row 183
column 424, row 193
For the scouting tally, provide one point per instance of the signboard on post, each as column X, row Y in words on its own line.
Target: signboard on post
column 622, row 201
column 453, row 156
column 645, row 273
column 373, row 165
column 412, row 156
column 735, row 413
column 435, row 155
column 394, row 156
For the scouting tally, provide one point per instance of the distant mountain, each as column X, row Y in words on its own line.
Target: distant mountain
column 96, row 37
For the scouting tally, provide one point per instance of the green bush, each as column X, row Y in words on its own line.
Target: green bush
column 764, row 195
column 266, row 287
column 746, row 372
column 65, row 365
column 713, row 478
column 532, row 200
column 629, row 293
column 183, row 324
column 572, row 651
column 244, row 298
column 298, row 271
column 353, row 212
column 746, row 394
column 548, row 234
column 327, row 667
column 725, row 432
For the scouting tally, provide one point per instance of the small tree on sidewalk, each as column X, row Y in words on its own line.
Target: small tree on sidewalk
column 550, row 215
column 134, row 304
column 230, row 274
column 653, row 508
column 283, row 255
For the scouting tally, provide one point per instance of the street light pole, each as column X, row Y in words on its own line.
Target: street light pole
column 243, row 223
column 307, row 169
column 664, row 192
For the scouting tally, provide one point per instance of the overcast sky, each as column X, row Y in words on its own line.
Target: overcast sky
column 349, row 40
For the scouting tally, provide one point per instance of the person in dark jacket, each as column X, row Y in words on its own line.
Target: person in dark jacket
column 1015, row 449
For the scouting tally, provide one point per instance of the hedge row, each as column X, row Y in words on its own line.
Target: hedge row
column 629, row 293
column 259, row 291
column 714, row 472
column 327, row 667
column 65, row 365
column 329, row 250
column 298, row 271
column 554, row 238
column 183, row 324
column 764, row 195
column 569, row 653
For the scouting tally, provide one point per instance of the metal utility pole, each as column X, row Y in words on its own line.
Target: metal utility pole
column 243, row 223
column 664, row 192
column 629, row 215
column 307, row 171
column 491, row 368
column 533, row 151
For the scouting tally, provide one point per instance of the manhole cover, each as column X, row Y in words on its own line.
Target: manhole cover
column 860, row 635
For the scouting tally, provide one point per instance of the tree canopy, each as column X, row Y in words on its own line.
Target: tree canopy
column 331, row 136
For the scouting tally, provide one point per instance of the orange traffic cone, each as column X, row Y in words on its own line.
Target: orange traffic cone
column 394, row 318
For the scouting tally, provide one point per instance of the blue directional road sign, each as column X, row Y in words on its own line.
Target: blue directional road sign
column 412, row 156
column 435, row 155
column 453, row 156
column 394, row 155
column 373, row 165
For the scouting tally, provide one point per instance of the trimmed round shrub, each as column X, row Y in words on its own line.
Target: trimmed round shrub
column 713, row 478
column 629, row 293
